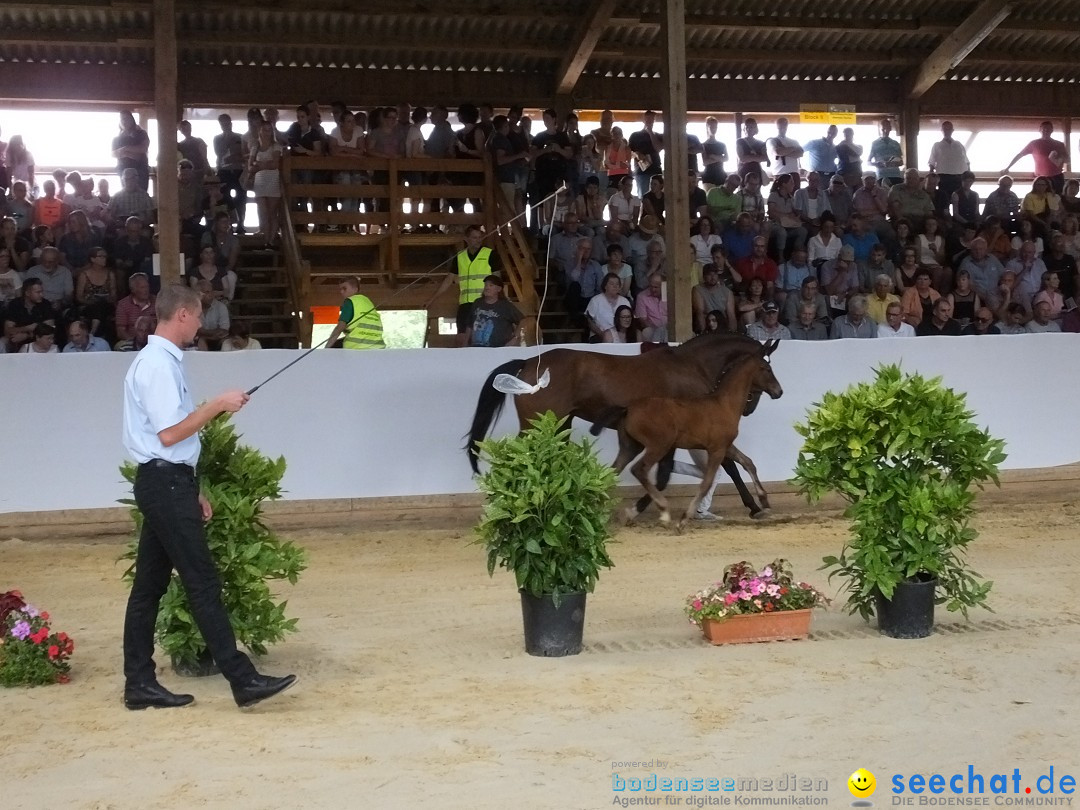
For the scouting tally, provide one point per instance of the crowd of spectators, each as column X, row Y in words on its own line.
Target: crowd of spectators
column 823, row 239
column 77, row 262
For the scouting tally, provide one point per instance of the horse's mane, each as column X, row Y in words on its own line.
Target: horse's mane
column 707, row 339
column 733, row 363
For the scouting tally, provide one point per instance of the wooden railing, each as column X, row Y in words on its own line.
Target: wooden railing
column 299, row 278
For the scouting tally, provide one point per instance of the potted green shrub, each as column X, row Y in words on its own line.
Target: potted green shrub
column 236, row 479
column 904, row 452
column 547, row 515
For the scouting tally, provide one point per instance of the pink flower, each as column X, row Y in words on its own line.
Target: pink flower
column 697, row 604
column 768, row 572
column 730, row 598
column 772, row 590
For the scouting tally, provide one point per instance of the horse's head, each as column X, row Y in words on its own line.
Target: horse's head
column 764, row 378
column 723, row 353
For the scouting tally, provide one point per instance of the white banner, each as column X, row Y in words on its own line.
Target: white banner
column 379, row 423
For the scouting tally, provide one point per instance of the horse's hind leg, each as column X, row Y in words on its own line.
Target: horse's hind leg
column 628, row 450
column 663, row 476
column 744, row 494
column 641, row 472
column 747, row 464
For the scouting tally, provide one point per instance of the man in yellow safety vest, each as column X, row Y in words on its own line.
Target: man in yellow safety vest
column 359, row 321
column 468, row 271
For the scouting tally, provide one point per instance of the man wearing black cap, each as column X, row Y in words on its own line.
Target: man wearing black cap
column 769, row 327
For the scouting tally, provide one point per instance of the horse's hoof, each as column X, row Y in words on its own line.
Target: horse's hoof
column 665, row 518
column 680, row 526
column 630, row 515
column 761, row 514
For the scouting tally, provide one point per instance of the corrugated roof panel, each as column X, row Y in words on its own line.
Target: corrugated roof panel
column 797, row 39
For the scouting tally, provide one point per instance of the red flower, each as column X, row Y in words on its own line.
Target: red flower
column 45, row 615
column 63, row 679
column 62, row 636
column 768, row 606
column 40, row 635
column 784, row 591
column 54, row 651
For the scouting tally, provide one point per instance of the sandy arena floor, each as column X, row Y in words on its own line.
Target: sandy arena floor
column 415, row 689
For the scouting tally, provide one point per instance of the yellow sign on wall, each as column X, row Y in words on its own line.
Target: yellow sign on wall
column 839, row 114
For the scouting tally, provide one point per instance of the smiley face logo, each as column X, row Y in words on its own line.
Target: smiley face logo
column 862, row 784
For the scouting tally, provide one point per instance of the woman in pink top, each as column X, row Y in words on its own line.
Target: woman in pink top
column 617, row 158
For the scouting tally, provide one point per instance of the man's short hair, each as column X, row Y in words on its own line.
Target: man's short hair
column 352, row 281
column 129, row 173
column 473, row 229
column 614, row 249
column 495, row 279
column 43, row 329
column 29, row 283
column 175, row 297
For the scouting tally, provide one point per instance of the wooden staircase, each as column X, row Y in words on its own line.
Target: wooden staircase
column 263, row 298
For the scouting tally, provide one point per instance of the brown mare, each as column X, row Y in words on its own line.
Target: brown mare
column 659, row 425
column 589, row 384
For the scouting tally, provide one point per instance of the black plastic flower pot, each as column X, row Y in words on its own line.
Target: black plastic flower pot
column 910, row 612
column 201, row 667
column 553, row 631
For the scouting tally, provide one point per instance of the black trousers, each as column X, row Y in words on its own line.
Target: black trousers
column 173, row 537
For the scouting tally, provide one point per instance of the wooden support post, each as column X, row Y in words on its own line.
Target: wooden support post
column 166, row 104
column 676, row 186
column 738, row 134
column 909, row 129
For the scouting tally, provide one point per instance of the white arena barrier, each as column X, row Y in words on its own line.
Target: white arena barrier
column 381, row 423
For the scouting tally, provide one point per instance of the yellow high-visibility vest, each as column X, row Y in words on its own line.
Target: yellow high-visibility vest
column 365, row 332
column 471, row 274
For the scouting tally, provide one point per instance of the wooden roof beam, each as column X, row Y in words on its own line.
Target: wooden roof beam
column 596, row 20
column 987, row 16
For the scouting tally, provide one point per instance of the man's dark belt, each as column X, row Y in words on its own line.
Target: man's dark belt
column 160, row 463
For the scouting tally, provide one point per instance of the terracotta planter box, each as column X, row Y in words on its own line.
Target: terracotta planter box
column 784, row 625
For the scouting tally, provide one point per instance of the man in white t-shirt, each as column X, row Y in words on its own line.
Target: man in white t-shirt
column 895, row 326
column 784, row 152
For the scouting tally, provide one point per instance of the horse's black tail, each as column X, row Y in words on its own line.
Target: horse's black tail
column 663, row 477
column 607, row 419
column 488, row 407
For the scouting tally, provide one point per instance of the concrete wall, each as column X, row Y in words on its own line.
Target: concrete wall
column 377, row 424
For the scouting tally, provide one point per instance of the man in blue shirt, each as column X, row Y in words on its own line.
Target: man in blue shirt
column 161, row 433
column 886, row 156
column 80, row 339
column 821, row 154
